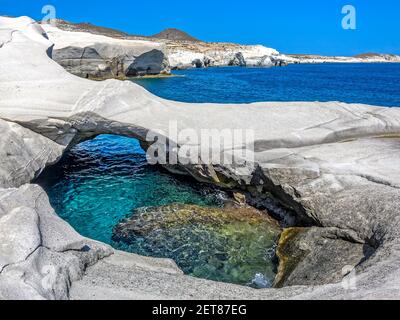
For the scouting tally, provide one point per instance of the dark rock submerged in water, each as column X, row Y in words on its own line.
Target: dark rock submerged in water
column 314, row 256
column 233, row 245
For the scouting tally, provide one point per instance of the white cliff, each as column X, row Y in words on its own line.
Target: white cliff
column 364, row 58
column 201, row 54
column 98, row 56
column 333, row 164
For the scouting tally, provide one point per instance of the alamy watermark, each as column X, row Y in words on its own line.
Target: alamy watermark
column 349, row 21
column 50, row 14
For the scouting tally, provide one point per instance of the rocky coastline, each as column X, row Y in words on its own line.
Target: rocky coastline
column 99, row 53
column 332, row 165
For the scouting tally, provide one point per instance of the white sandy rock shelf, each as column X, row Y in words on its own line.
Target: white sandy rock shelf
column 333, row 164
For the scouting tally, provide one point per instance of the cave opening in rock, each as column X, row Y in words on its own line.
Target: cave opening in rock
column 106, row 190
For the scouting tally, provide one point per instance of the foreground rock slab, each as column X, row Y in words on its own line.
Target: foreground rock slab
column 100, row 57
column 332, row 165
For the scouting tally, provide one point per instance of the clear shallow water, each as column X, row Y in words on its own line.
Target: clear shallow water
column 376, row 84
column 228, row 244
column 100, row 182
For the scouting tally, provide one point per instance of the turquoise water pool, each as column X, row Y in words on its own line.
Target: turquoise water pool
column 101, row 182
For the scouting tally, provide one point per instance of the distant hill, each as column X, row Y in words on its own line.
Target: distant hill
column 167, row 34
column 91, row 28
column 373, row 54
column 174, row 35
column 367, row 55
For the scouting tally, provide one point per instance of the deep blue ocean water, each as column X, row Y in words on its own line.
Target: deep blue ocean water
column 102, row 181
column 376, row 84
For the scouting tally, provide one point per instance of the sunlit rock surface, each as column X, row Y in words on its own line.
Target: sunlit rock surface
column 201, row 54
column 101, row 57
column 334, row 165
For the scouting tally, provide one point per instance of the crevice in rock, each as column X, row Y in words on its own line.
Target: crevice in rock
column 8, row 41
column 21, row 261
column 381, row 182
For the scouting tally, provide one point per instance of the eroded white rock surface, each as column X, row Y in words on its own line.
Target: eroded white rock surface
column 24, row 154
column 333, row 163
column 201, row 54
column 97, row 56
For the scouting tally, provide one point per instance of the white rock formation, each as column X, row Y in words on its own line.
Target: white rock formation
column 200, row 54
column 92, row 55
column 367, row 58
column 333, row 163
column 180, row 54
column 99, row 56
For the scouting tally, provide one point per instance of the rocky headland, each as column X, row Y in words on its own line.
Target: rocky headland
column 96, row 56
column 331, row 166
column 361, row 58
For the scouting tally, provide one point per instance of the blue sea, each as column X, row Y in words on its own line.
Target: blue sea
column 376, row 84
column 102, row 181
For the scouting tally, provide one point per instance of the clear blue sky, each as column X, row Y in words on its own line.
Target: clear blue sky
column 291, row 26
